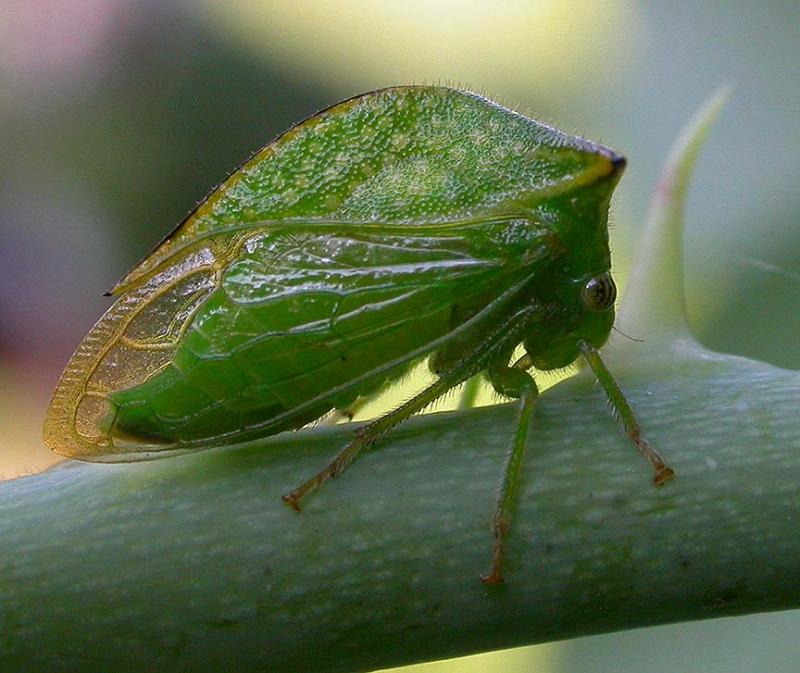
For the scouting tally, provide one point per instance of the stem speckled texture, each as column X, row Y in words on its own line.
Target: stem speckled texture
column 194, row 564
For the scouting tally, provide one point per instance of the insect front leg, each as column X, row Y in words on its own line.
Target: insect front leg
column 624, row 414
column 518, row 384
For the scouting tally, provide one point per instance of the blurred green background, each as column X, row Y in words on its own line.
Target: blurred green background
column 117, row 116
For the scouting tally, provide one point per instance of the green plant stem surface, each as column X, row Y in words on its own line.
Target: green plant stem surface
column 193, row 563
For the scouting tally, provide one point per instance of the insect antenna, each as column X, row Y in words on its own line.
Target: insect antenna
column 627, row 336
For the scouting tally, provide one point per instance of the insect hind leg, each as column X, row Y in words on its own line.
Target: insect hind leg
column 368, row 434
column 515, row 383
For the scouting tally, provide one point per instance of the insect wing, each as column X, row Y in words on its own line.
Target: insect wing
column 303, row 323
column 424, row 158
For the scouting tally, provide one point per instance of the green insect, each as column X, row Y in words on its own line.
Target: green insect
column 407, row 223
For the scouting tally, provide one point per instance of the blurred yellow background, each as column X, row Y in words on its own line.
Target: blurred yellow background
column 116, row 116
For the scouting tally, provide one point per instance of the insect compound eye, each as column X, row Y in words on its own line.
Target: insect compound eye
column 600, row 293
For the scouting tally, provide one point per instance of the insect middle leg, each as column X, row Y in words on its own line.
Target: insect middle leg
column 515, row 383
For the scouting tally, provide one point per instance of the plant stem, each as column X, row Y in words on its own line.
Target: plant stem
column 194, row 563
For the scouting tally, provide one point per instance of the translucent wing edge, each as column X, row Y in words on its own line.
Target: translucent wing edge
column 60, row 431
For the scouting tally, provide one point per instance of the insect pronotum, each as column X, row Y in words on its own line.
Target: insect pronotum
column 408, row 223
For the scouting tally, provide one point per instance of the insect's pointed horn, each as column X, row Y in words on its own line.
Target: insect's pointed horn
column 618, row 162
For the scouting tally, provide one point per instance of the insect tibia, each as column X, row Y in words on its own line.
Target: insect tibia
column 623, row 413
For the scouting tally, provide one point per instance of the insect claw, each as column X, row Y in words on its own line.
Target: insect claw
column 494, row 576
column 292, row 501
column 662, row 475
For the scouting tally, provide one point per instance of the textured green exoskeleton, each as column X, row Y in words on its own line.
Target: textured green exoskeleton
column 406, row 223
